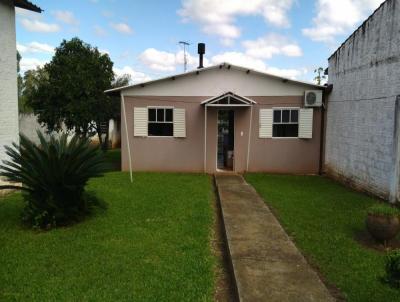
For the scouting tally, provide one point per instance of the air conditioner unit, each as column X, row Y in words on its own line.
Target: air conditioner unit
column 313, row 98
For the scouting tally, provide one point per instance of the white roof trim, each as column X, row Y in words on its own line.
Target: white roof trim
column 240, row 98
column 222, row 65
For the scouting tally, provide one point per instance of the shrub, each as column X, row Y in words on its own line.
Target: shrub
column 383, row 209
column 53, row 175
column 392, row 268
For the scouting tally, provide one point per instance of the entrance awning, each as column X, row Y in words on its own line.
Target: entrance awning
column 228, row 99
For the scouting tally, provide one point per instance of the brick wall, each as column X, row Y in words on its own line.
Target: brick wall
column 8, row 77
column 365, row 73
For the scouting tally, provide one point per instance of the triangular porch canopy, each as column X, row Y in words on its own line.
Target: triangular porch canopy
column 228, row 99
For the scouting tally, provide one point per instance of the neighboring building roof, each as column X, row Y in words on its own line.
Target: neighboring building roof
column 358, row 28
column 219, row 66
column 25, row 4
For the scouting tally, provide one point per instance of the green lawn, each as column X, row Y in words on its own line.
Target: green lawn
column 113, row 158
column 151, row 244
column 323, row 217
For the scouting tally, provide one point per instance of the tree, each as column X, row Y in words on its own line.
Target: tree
column 119, row 81
column 70, row 90
column 29, row 85
column 320, row 75
column 22, row 106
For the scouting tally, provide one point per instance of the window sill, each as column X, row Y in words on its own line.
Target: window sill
column 285, row 137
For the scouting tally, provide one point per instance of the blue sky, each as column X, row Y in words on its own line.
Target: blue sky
column 287, row 37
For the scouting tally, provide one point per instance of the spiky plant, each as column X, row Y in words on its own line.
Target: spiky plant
column 53, row 175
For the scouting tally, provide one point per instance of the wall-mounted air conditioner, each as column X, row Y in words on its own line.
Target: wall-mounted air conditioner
column 313, row 98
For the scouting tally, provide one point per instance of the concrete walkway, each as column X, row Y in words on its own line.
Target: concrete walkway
column 267, row 265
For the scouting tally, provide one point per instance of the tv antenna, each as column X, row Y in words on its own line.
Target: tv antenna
column 184, row 44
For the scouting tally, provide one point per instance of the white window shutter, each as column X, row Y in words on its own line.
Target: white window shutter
column 306, row 122
column 179, row 122
column 266, row 119
column 140, row 125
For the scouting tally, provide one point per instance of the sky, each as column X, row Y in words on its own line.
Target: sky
column 290, row 38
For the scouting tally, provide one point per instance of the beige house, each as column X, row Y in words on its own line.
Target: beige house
column 222, row 118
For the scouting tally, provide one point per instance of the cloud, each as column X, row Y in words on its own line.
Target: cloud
column 107, row 13
column 290, row 73
column 104, row 52
column 122, row 28
column 31, row 63
column 167, row 61
column 65, row 17
column 270, row 45
column 99, row 31
column 245, row 60
column 218, row 17
column 20, row 12
column 136, row 76
column 39, row 26
column 35, row 47
column 338, row 17
column 239, row 58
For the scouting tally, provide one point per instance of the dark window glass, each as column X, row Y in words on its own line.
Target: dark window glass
column 160, row 115
column 161, row 129
column 168, row 115
column 286, row 130
column 277, row 116
column 294, row 118
column 152, row 115
column 285, row 116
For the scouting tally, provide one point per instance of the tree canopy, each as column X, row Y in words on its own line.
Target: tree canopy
column 70, row 88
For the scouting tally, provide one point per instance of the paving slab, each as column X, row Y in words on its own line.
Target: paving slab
column 267, row 266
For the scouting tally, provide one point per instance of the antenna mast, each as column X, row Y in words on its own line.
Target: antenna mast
column 184, row 44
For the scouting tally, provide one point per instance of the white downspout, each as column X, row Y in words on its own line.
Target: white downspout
column 205, row 138
column 249, row 140
column 127, row 136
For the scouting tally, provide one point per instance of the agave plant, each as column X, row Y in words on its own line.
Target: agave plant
column 53, row 175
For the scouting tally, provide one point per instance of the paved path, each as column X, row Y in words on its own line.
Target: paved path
column 267, row 265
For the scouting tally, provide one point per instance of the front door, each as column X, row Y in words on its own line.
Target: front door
column 226, row 137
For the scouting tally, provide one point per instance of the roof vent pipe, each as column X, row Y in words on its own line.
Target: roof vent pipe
column 201, row 50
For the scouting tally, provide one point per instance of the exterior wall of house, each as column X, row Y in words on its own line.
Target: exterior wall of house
column 284, row 155
column 187, row 154
column 8, row 77
column 365, row 73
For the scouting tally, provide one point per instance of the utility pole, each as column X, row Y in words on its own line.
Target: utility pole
column 184, row 44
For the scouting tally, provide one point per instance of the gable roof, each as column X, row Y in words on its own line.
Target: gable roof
column 219, row 66
column 229, row 95
column 25, row 4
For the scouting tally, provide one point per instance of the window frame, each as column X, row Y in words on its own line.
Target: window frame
column 157, row 122
column 289, row 123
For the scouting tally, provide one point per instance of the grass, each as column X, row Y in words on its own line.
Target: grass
column 151, row 244
column 324, row 217
column 113, row 158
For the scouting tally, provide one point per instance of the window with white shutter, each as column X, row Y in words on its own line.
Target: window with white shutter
column 179, row 122
column 140, row 121
column 306, row 123
column 266, row 116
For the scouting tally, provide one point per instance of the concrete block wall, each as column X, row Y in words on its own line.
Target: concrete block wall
column 8, row 77
column 365, row 73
